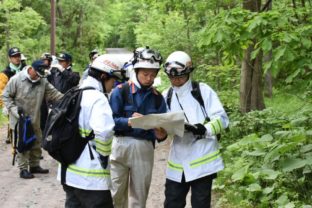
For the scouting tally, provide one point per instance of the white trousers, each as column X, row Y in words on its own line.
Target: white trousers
column 131, row 163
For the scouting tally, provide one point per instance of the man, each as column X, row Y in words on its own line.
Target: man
column 23, row 59
column 15, row 65
column 92, row 56
column 88, row 180
column 132, row 155
column 63, row 78
column 194, row 159
column 47, row 58
column 26, row 90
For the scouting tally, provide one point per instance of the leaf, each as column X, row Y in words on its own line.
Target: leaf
column 249, row 139
column 255, row 53
column 268, row 190
column 266, row 45
column 256, row 153
column 266, row 138
column 254, row 187
column 290, row 205
column 282, row 200
column 240, row 174
column 306, row 148
column 279, row 52
column 291, row 164
column 269, row 174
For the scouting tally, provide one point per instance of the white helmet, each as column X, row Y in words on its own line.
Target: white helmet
column 146, row 58
column 178, row 63
column 111, row 64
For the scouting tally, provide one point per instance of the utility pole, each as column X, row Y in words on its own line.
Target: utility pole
column 53, row 26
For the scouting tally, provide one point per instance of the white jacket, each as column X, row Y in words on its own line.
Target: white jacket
column 96, row 115
column 202, row 157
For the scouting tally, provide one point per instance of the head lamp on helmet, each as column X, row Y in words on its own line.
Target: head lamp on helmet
column 178, row 63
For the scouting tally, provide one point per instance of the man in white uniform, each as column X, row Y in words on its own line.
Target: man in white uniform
column 194, row 158
column 88, row 179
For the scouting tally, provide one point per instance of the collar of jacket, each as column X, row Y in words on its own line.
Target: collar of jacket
column 24, row 76
column 135, row 88
column 92, row 82
column 184, row 89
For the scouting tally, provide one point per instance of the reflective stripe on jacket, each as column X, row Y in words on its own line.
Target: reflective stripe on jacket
column 95, row 114
column 196, row 158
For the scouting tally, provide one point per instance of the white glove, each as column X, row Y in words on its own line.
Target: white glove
column 58, row 66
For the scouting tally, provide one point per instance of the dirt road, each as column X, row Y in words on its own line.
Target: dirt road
column 46, row 191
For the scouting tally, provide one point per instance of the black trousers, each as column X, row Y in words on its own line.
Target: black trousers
column 79, row 198
column 176, row 193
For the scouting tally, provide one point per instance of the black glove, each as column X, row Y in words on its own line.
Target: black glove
column 196, row 129
column 103, row 161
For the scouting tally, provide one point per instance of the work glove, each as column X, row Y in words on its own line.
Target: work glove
column 104, row 161
column 58, row 67
column 197, row 129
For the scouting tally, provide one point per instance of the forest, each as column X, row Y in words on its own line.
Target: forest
column 257, row 55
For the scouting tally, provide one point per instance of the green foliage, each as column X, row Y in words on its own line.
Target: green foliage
column 278, row 31
column 21, row 28
column 271, row 165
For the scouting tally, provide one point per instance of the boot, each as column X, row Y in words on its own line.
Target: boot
column 25, row 174
column 38, row 169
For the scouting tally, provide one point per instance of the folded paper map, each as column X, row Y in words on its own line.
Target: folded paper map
column 172, row 122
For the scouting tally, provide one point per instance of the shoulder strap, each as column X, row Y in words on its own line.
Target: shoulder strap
column 158, row 99
column 169, row 97
column 197, row 95
column 125, row 90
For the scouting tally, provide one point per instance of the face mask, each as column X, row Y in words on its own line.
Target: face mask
column 31, row 80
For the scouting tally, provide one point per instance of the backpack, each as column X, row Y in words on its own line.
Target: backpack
column 197, row 95
column 62, row 139
column 24, row 135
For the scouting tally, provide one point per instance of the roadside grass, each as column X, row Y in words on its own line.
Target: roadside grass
column 288, row 102
column 3, row 118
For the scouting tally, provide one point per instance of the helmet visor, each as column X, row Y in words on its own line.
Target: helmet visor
column 175, row 68
column 150, row 54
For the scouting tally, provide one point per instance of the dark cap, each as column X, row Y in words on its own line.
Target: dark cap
column 14, row 51
column 64, row 57
column 39, row 66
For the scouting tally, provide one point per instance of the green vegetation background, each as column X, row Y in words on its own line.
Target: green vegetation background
column 268, row 154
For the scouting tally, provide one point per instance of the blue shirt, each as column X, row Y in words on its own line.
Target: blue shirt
column 142, row 101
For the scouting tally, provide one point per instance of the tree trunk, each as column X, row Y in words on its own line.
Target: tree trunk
column 79, row 29
column 268, row 84
column 251, row 95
